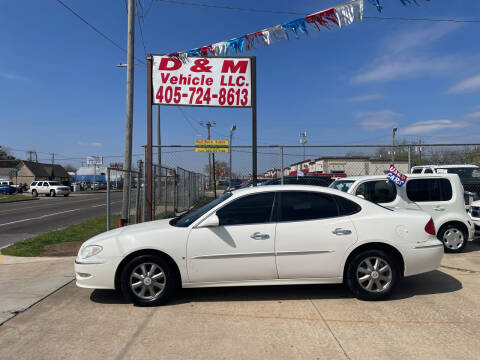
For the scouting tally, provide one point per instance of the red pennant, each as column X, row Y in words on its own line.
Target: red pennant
column 323, row 18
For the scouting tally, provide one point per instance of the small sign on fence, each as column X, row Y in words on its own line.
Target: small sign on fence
column 211, row 146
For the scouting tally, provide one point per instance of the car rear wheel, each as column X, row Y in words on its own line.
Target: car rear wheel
column 372, row 275
column 66, row 195
column 52, row 193
column 148, row 280
column 34, row 193
column 453, row 237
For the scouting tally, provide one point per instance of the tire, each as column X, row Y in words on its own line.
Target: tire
column 381, row 283
column 34, row 193
column 453, row 237
column 52, row 193
column 157, row 295
column 4, row 192
column 66, row 195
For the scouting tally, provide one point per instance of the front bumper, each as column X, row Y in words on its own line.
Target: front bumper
column 96, row 273
column 62, row 192
column 424, row 257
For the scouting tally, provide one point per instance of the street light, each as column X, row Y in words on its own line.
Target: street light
column 234, row 127
column 394, row 130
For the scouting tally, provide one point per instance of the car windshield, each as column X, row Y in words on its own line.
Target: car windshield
column 464, row 173
column 342, row 185
column 190, row 217
column 54, row 183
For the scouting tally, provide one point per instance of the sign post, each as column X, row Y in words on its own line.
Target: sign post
column 200, row 81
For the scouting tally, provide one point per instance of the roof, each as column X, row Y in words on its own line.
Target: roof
column 5, row 172
column 384, row 177
column 45, row 170
column 445, row 166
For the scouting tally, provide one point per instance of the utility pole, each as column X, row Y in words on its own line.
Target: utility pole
column 159, row 139
column 303, row 141
column 127, row 163
column 210, row 177
column 234, row 127
column 394, row 130
column 420, row 152
column 53, row 162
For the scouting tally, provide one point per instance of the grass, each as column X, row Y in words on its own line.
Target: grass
column 15, row 197
column 79, row 232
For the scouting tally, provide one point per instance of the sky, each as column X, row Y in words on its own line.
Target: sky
column 61, row 91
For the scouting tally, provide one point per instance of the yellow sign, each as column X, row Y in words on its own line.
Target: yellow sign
column 211, row 146
column 337, row 162
column 211, row 142
column 211, row 149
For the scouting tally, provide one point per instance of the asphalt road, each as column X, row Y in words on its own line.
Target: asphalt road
column 21, row 220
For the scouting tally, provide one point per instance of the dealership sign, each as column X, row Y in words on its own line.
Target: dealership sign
column 223, row 82
column 94, row 160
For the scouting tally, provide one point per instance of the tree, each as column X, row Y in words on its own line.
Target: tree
column 70, row 168
column 5, row 153
column 222, row 170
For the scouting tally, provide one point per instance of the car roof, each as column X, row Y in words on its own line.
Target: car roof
column 266, row 188
column 445, row 166
column 409, row 176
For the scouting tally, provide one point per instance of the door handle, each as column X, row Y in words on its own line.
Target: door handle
column 339, row 231
column 259, row 236
column 439, row 208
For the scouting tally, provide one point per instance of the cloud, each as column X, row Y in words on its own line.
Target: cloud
column 467, row 85
column 11, row 76
column 90, row 144
column 474, row 115
column 405, row 54
column 380, row 119
column 366, row 97
column 429, row 126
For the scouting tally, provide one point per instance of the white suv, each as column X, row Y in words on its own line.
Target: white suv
column 439, row 195
column 49, row 188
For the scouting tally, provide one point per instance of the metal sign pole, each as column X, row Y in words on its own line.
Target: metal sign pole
column 149, row 152
column 254, row 120
column 108, row 199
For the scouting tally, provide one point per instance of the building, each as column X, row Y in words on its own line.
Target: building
column 29, row 171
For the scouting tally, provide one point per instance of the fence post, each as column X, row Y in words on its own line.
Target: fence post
column 129, row 195
column 174, row 189
column 166, row 190
column 409, row 158
column 154, row 193
column 144, row 173
column 108, row 199
column 137, row 205
column 281, row 163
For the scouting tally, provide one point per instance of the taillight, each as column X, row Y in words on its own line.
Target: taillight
column 430, row 227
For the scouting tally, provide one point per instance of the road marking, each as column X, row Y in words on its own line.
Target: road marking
column 115, row 202
column 39, row 217
column 44, row 205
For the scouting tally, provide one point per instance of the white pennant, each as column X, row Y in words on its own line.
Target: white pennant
column 347, row 13
column 220, row 48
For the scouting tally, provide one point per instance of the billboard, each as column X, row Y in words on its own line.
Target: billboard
column 202, row 81
column 94, row 160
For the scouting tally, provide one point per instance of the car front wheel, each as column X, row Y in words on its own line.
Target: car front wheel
column 148, row 280
column 372, row 275
column 34, row 193
column 453, row 237
column 52, row 193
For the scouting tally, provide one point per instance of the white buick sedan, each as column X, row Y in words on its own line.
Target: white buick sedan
column 268, row 235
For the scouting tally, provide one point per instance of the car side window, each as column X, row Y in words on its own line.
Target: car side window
column 251, row 209
column 347, row 207
column 428, row 171
column 380, row 191
column 417, row 171
column 304, row 205
column 422, row 190
column 33, row 184
column 45, row 183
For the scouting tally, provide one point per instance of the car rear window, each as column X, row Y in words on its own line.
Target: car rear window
column 423, row 190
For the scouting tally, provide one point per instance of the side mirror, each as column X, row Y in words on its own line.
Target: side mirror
column 211, row 221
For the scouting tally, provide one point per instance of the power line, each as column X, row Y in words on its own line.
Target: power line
column 95, row 29
column 141, row 32
column 187, row 119
column 266, row 11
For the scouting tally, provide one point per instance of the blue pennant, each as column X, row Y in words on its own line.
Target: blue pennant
column 236, row 45
column 194, row 52
column 295, row 25
column 376, row 3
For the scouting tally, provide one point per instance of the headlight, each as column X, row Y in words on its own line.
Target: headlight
column 90, row 250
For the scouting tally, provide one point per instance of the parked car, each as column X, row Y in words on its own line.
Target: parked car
column 469, row 176
column 245, row 185
column 49, row 188
column 101, row 185
column 301, row 180
column 6, row 189
column 440, row 195
column 266, row 235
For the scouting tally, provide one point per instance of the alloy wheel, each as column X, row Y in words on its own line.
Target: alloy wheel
column 147, row 281
column 374, row 274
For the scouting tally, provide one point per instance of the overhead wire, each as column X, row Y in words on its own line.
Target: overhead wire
column 267, row 11
column 141, row 31
column 96, row 29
